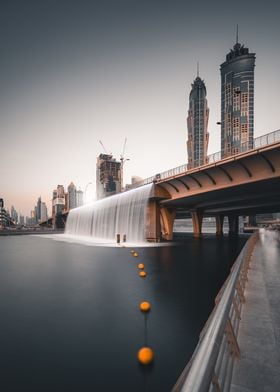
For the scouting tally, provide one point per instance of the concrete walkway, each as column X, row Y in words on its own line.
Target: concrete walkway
column 258, row 370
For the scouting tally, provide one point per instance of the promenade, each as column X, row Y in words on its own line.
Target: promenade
column 258, row 369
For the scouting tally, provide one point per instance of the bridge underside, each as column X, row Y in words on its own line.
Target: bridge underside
column 247, row 199
column 246, row 184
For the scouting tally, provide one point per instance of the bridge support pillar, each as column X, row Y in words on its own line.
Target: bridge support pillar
column 197, row 217
column 167, row 217
column 233, row 224
column 152, row 231
column 219, row 224
column 252, row 220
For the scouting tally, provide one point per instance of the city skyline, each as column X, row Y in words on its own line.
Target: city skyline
column 74, row 74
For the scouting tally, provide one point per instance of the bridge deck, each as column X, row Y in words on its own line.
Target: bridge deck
column 259, row 335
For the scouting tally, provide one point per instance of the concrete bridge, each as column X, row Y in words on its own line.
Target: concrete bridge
column 245, row 184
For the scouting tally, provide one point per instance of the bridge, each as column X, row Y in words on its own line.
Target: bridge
column 244, row 184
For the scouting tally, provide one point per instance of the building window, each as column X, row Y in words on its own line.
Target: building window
column 236, row 128
column 244, row 104
column 236, row 99
column 244, row 133
column 228, row 124
column 228, row 94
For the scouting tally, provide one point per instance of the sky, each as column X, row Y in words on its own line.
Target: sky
column 76, row 72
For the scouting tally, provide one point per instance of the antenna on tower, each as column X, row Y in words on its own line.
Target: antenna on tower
column 237, row 33
column 197, row 69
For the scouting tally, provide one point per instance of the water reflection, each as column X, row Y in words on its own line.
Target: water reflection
column 70, row 314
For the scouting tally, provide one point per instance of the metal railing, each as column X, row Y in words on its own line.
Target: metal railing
column 210, row 368
column 258, row 142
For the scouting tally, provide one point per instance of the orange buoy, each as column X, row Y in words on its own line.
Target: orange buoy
column 135, row 254
column 142, row 274
column 145, row 306
column 145, row 355
column 141, row 266
column 132, row 251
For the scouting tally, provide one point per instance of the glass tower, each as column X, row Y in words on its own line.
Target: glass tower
column 197, row 122
column 237, row 105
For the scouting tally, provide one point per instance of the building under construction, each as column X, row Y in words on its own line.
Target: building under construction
column 108, row 176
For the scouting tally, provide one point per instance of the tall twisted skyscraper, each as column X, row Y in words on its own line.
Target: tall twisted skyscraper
column 237, row 107
column 197, row 122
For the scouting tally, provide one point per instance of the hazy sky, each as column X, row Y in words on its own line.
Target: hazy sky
column 76, row 72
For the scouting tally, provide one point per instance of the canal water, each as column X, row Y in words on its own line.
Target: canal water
column 70, row 319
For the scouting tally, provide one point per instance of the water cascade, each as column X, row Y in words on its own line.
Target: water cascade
column 102, row 220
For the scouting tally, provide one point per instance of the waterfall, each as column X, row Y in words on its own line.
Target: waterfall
column 102, row 220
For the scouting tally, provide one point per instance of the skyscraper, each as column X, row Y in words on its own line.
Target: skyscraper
column 44, row 212
column 72, row 199
column 14, row 215
column 237, row 105
column 58, row 200
column 197, row 122
column 38, row 210
column 79, row 198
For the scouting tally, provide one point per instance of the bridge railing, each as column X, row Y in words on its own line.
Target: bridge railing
column 269, row 138
column 210, row 368
column 258, row 142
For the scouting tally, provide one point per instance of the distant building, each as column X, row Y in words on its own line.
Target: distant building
column 134, row 181
column 58, row 201
column 39, row 214
column 237, row 106
column 38, row 210
column 72, row 198
column 197, row 121
column 79, row 198
column 14, row 215
column 5, row 220
column 31, row 221
column 59, row 206
column 33, row 215
column 44, row 212
column 108, row 176
column 60, row 191
column 21, row 220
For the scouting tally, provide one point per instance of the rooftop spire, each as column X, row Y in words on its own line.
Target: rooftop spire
column 197, row 69
column 237, row 33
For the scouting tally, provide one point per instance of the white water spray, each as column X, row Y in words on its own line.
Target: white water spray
column 102, row 220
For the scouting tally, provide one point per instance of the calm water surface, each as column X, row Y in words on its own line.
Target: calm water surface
column 70, row 319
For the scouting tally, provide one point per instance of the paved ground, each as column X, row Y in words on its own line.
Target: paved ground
column 259, row 335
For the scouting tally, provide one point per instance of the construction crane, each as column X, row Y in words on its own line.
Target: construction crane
column 124, row 145
column 106, row 152
column 122, row 163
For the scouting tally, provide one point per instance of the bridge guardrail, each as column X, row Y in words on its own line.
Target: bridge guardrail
column 258, row 142
column 210, row 368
